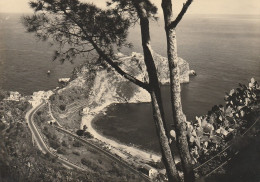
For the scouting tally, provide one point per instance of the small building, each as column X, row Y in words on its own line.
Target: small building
column 149, row 171
column 15, row 96
column 51, row 122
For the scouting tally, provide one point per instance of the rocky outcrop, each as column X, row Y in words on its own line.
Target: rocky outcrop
column 64, row 80
column 110, row 87
column 106, row 86
column 136, row 62
column 192, row 73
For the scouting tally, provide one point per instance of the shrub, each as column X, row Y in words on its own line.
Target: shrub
column 158, row 165
column 85, row 127
column 126, row 90
column 77, row 144
column 48, row 155
column 64, row 144
column 52, row 97
column 60, row 97
column 88, row 135
column 85, row 162
column 23, row 106
column 2, row 126
column 54, row 137
column 100, row 161
column 1, row 96
column 54, row 144
column 45, row 128
column 80, row 132
column 61, row 151
column 209, row 133
column 62, row 107
column 115, row 170
column 76, row 153
column 90, row 164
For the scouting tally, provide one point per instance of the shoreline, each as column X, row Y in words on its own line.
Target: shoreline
column 117, row 147
column 118, row 139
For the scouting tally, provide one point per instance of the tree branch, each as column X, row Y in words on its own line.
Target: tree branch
column 118, row 69
column 109, row 60
column 180, row 15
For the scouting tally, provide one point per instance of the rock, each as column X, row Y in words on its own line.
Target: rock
column 136, row 60
column 106, row 86
column 135, row 66
column 163, row 69
column 64, row 80
column 37, row 97
column 192, row 73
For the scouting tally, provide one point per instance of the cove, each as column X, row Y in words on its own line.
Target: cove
column 133, row 124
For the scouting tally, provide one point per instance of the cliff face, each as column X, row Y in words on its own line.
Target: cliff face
column 161, row 64
column 136, row 61
column 94, row 87
column 106, row 86
column 113, row 88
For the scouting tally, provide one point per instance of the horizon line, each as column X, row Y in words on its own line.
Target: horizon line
column 158, row 13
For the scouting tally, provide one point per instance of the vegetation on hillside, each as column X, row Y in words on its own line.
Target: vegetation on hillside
column 80, row 28
column 69, row 101
column 210, row 133
column 21, row 161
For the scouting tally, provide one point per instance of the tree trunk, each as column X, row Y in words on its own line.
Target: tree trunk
column 179, row 118
column 167, row 158
column 158, row 112
column 155, row 92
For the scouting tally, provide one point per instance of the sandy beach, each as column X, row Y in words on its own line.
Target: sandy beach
column 119, row 148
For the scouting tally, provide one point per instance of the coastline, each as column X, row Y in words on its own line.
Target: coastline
column 110, row 88
column 115, row 146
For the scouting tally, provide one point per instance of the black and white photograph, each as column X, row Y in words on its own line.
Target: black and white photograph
column 129, row 91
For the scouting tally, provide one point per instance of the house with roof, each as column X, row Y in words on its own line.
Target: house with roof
column 14, row 96
column 149, row 170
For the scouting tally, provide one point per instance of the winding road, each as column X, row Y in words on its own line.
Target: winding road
column 37, row 137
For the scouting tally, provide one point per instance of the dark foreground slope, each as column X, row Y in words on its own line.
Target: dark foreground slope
column 21, row 161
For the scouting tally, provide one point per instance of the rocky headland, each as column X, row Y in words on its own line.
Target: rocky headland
column 110, row 87
column 94, row 89
column 91, row 89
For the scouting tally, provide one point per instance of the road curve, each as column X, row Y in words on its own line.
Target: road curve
column 45, row 149
column 39, row 140
column 111, row 156
column 99, row 149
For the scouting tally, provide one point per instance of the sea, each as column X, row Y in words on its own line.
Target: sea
column 224, row 50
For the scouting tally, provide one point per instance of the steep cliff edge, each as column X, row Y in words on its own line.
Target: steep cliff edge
column 91, row 87
column 110, row 86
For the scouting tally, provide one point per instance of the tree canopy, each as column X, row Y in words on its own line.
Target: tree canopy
column 81, row 28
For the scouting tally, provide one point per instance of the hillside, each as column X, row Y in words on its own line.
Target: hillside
column 94, row 86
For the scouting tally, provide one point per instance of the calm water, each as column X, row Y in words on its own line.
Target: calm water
column 224, row 50
column 24, row 61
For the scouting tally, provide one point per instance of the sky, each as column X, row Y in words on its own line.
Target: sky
column 197, row 7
